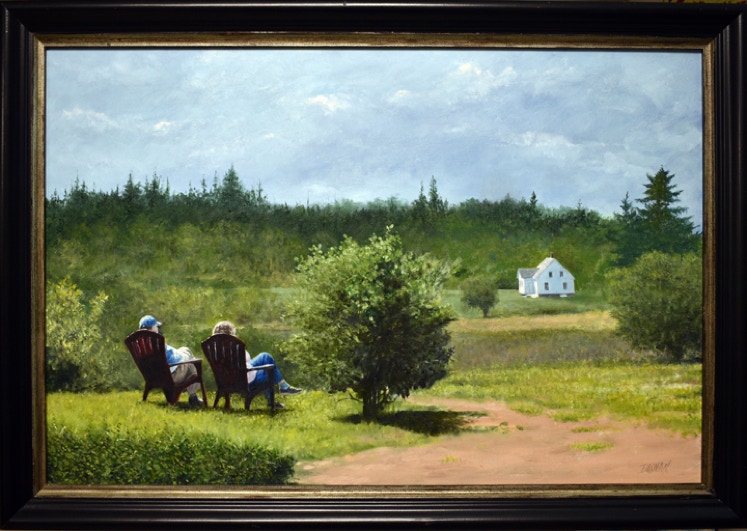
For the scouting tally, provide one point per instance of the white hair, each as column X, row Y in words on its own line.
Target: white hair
column 224, row 327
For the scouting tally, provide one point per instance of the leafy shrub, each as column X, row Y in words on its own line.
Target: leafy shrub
column 73, row 333
column 658, row 303
column 371, row 320
column 111, row 456
column 480, row 292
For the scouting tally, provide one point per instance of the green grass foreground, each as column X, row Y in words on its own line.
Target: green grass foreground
column 115, row 438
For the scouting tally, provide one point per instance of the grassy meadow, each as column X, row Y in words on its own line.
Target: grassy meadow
column 554, row 357
column 227, row 252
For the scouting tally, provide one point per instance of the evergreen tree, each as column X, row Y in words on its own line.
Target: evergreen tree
column 629, row 213
column 231, row 195
column 231, row 184
column 419, row 209
column 658, row 199
column 626, row 233
column 131, row 197
column 156, row 196
column 533, row 202
column 658, row 225
column 666, row 227
column 436, row 203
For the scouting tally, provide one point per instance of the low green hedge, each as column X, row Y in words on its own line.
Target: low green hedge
column 112, row 456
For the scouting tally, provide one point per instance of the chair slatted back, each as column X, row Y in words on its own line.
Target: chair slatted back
column 148, row 350
column 227, row 357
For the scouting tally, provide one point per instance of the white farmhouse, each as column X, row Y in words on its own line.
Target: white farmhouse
column 548, row 279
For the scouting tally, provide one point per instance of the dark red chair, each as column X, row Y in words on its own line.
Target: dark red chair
column 227, row 357
column 148, row 350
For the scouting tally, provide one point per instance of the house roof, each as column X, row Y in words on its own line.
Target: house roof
column 544, row 264
column 534, row 272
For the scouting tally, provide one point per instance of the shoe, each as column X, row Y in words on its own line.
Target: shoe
column 290, row 390
column 278, row 405
column 195, row 401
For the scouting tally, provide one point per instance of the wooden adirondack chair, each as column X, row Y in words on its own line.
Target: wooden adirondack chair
column 227, row 357
column 148, row 350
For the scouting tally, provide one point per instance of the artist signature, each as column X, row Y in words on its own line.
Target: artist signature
column 652, row 468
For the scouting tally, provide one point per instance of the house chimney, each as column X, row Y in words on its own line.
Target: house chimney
column 552, row 255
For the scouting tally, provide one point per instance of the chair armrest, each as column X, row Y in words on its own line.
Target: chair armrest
column 261, row 367
column 195, row 361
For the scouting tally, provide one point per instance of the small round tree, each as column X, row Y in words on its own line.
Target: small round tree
column 481, row 293
column 371, row 320
column 658, row 303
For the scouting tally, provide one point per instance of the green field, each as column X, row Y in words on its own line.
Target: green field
column 510, row 303
column 537, row 365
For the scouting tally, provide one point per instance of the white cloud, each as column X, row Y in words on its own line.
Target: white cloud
column 330, row 104
column 400, row 96
column 97, row 121
column 162, row 127
column 470, row 68
column 477, row 81
column 543, row 140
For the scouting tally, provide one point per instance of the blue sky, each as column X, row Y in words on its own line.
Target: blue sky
column 317, row 126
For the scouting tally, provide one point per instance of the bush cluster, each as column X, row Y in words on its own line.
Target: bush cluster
column 116, row 457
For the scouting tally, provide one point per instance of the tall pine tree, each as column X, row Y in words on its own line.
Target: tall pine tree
column 666, row 227
column 657, row 225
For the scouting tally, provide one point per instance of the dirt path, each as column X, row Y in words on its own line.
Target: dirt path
column 506, row 447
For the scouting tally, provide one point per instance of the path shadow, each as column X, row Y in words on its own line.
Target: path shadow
column 426, row 422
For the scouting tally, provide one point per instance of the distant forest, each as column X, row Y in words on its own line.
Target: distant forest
column 228, row 200
column 487, row 237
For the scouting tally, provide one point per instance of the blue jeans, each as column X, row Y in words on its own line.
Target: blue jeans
column 264, row 359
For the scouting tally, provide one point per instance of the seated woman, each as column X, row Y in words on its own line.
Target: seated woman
column 259, row 377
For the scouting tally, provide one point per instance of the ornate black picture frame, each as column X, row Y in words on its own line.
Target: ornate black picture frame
column 720, row 502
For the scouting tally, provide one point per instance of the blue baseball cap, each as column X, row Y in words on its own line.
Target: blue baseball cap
column 148, row 321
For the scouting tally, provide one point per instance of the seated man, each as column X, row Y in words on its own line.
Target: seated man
column 258, row 377
column 174, row 355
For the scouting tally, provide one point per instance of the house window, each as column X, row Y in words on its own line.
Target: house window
column 561, row 273
column 565, row 285
column 550, row 274
column 547, row 286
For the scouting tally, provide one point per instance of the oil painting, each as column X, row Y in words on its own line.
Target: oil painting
column 471, row 266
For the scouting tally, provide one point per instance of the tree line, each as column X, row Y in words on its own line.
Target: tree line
column 658, row 223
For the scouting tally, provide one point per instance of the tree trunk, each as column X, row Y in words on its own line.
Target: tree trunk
column 371, row 406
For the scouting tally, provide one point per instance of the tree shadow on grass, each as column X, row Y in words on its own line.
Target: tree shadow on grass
column 426, row 422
